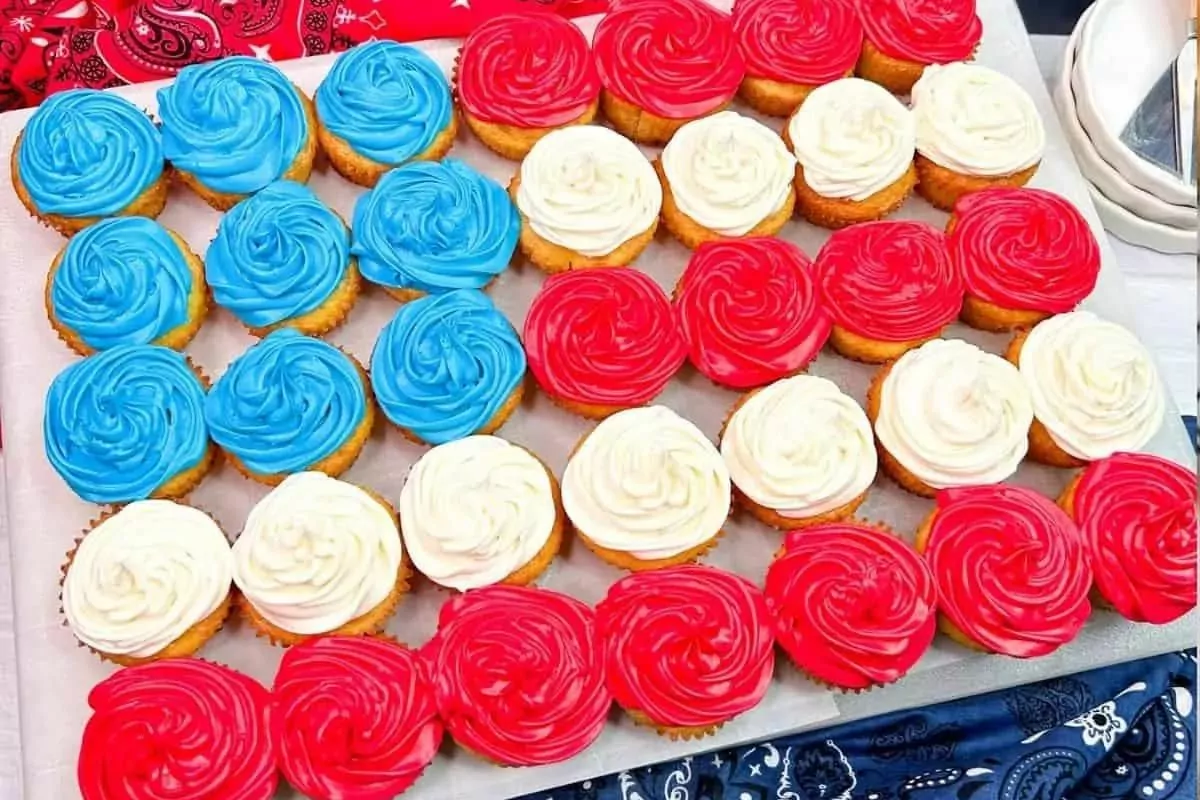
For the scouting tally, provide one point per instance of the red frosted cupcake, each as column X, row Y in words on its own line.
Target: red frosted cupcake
column 854, row 606
column 889, row 286
column 905, row 36
column 750, row 312
column 353, row 718
column 602, row 340
column 180, row 728
column 664, row 63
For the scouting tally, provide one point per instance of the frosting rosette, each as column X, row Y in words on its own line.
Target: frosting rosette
column 922, row 31
column 807, row 42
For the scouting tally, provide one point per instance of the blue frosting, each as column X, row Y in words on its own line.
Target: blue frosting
column 237, row 124
column 445, row 365
column 88, row 154
column 277, row 255
column 286, row 403
column 388, row 101
column 120, row 424
column 434, row 226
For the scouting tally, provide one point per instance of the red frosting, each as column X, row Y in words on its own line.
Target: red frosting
column 674, row 58
column 687, row 646
column 602, row 336
column 853, row 606
column 180, row 728
column 353, row 718
column 890, row 281
column 924, row 31
column 527, row 70
column 1024, row 249
column 750, row 311
column 518, row 674
column 1012, row 570
column 808, row 42
column 1138, row 515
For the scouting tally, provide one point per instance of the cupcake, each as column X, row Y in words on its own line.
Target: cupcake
column 233, row 126
column 383, row 104
column 800, row 453
column 890, row 286
column 587, row 197
column 69, row 186
column 725, row 176
column 686, row 649
column 793, row 46
column 520, row 76
column 947, row 414
column 854, row 143
column 749, row 312
column 480, row 511
column 663, row 63
column 854, row 607
column 646, row 489
column 128, row 424
column 518, row 674
column 904, row 37
column 291, row 404
column 976, row 128
column 126, row 281
column 282, row 259
column 1137, row 513
column 434, row 227
column 319, row 556
column 353, row 718
column 602, row 340
column 1025, row 592
column 147, row 582
column 1024, row 254
column 448, row 366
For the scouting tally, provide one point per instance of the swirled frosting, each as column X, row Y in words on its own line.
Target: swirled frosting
column 647, row 482
column 286, row 403
column 446, row 364
column 1012, row 570
column 120, row 424
column 588, row 189
column 922, row 31
column 602, row 336
column 86, row 153
column 236, row 123
column 277, row 255
column 954, row 415
column 434, row 226
column 518, row 674
column 852, row 138
column 976, row 121
column 185, row 728
column 853, row 605
column 1137, row 513
column 476, row 510
column 807, row 42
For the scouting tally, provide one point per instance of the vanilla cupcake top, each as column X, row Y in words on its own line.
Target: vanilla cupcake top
column 853, row 138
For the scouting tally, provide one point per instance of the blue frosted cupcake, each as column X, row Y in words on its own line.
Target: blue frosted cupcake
column 448, row 366
column 85, row 155
column 383, row 104
column 291, row 403
column 432, row 227
column 282, row 258
column 128, row 424
column 232, row 127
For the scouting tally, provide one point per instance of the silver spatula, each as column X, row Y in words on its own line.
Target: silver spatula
column 1162, row 129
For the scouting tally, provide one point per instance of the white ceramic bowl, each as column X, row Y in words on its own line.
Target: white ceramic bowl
column 1124, row 224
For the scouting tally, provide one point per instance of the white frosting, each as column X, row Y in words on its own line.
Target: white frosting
column 800, row 447
column 647, row 482
column 316, row 553
column 976, row 121
column 852, row 139
column 474, row 511
column 728, row 172
column 954, row 415
column 143, row 577
column 1094, row 385
column 588, row 189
